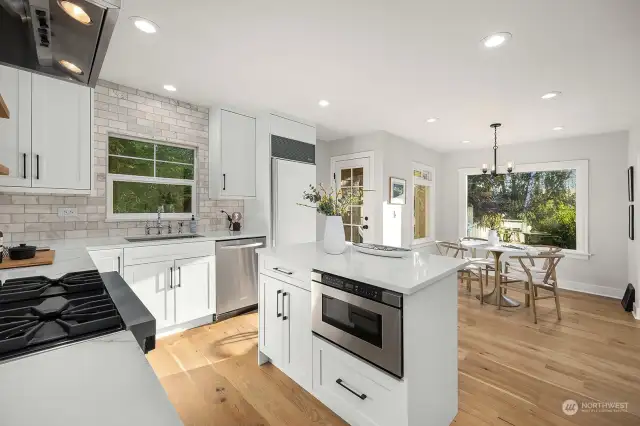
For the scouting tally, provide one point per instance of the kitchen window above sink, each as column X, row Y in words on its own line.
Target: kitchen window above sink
column 143, row 175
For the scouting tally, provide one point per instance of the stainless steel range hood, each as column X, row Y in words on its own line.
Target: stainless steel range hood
column 65, row 39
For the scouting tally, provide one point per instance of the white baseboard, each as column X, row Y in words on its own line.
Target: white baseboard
column 615, row 293
column 179, row 328
column 636, row 311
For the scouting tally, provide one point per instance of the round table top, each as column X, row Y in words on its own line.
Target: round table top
column 500, row 247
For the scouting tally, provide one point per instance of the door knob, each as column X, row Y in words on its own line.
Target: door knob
column 365, row 227
column 366, row 218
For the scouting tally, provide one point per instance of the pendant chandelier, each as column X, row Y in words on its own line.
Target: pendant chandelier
column 494, row 166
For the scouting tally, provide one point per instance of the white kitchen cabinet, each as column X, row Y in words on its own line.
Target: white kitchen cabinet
column 194, row 288
column 232, row 155
column 60, row 134
column 286, row 334
column 154, row 286
column 108, row 260
column 15, row 132
column 271, row 335
column 297, row 345
column 292, row 129
column 46, row 144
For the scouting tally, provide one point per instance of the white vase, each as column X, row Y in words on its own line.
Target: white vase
column 493, row 237
column 334, row 242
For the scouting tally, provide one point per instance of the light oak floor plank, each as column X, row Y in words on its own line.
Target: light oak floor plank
column 511, row 371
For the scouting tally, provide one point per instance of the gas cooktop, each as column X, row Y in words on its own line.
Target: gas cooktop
column 37, row 313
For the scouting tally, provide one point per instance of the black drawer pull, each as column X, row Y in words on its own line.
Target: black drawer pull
column 278, row 314
column 361, row 396
column 282, row 271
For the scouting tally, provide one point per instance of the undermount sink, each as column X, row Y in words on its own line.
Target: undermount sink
column 162, row 237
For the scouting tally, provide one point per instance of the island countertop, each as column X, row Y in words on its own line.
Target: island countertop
column 101, row 382
column 405, row 275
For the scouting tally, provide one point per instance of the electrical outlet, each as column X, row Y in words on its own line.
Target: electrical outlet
column 67, row 211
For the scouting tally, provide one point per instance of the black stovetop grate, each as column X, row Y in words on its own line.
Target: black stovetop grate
column 73, row 307
column 33, row 287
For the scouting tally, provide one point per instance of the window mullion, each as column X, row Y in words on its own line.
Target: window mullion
column 155, row 165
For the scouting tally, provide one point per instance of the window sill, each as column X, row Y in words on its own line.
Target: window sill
column 575, row 254
column 152, row 217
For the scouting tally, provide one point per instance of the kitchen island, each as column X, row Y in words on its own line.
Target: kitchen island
column 374, row 338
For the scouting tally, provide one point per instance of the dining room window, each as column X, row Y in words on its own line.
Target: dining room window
column 423, row 204
column 145, row 175
column 542, row 203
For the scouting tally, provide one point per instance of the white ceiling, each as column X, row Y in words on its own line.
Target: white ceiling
column 389, row 65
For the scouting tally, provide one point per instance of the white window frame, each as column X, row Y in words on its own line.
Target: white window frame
column 582, row 198
column 432, row 203
column 111, row 216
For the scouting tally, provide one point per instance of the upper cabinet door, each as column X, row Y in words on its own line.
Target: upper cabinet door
column 15, row 132
column 237, row 155
column 61, row 134
column 291, row 129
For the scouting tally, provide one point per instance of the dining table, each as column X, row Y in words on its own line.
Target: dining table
column 497, row 251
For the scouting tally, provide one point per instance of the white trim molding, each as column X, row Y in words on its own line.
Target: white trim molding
column 636, row 311
column 431, row 183
column 582, row 198
column 598, row 290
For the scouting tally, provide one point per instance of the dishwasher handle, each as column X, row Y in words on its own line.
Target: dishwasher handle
column 243, row 246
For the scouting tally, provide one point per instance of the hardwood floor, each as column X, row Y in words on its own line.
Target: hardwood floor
column 511, row 371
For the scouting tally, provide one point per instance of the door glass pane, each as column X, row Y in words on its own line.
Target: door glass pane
column 421, row 211
column 356, row 321
column 347, row 232
column 356, row 215
column 345, row 177
column 358, row 176
column 346, row 218
column 356, row 236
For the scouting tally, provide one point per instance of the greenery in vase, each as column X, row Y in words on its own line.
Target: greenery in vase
column 332, row 203
column 491, row 220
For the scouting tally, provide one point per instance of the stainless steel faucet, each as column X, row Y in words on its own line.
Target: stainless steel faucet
column 159, row 222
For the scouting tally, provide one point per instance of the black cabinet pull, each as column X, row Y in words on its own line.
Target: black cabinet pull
column 37, row 166
column 224, row 181
column 282, row 271
column 361, row 396
column 278, row 314
column 284, row 317
column 119, row 266
column 24, row 166
column 171, row 277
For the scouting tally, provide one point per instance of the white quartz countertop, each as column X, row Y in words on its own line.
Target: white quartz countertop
column 72, row 254
column 405, row 275
column 106, row 381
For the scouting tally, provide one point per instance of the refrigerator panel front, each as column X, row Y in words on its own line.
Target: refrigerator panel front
column 292, row 223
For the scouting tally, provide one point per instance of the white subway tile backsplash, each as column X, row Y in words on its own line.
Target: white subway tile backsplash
column 124, row 111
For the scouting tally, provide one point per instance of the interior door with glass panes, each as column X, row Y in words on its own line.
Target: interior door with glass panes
column 354, row 175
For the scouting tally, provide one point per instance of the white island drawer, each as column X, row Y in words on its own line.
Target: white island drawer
column 284, row 271
column 356, row 391
column 167, row 252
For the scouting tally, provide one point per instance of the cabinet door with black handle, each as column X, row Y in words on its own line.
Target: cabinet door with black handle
column 271, row 314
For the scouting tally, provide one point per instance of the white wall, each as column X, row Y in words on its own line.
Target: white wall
column 393, row 157
column 606, row 271
column 634, row 246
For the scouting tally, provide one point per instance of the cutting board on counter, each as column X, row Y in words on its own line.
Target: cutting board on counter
column 41, row 258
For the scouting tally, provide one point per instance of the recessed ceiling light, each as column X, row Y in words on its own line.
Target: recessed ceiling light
column 551, row 95
column 70, row 66
column 465, row 141
column 323, row 103
column 432, row 120
column 558, row 128
column 497, row 39
column 144, row 25
column 170, row 88
column 75, row 11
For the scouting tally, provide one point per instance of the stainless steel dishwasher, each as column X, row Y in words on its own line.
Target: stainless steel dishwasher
column 237, row 275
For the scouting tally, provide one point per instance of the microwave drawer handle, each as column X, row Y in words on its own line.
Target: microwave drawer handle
column 282, row 271
column 359, row 395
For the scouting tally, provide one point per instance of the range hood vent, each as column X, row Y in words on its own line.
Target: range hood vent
column 40, row 36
